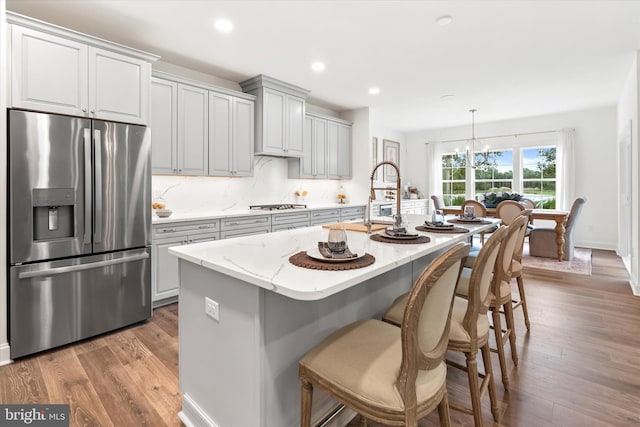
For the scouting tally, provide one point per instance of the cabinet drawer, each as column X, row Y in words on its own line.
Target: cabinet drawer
column 347, row 214
column 289, row 226
column 227, row 234
column 290, row 217
column 185, row 227
column 325, row 213
column 245, row 222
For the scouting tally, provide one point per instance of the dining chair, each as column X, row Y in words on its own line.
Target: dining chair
column 542, row 240
column 528, row 203
column 501, row 301
column 392, row 375
column 481, row 211
column 469, row 331
column 438, row 202
column 507, row 210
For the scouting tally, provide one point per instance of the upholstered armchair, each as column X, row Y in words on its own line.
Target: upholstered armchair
column 438, row 202
column 542, row 240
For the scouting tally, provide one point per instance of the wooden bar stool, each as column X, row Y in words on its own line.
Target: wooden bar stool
column 469, row 330
column 391, row 375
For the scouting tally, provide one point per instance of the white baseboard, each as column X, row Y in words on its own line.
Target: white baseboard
column 192, row 415
column 5, row 357
column 593, row 244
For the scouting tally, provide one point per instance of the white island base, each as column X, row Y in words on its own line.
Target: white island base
column 243, row 369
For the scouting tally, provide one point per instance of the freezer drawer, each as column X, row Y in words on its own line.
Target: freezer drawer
column 58, row 302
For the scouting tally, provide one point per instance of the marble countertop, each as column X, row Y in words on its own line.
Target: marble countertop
column 177, row 216
column 263, row 260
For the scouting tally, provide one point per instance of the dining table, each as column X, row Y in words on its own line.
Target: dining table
column 559, row 216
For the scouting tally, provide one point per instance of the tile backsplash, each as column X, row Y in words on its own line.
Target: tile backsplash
column 270, row 184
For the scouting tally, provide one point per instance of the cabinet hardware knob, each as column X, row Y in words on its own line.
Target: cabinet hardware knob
column 84, row 110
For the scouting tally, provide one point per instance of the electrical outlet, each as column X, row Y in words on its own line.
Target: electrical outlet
column 211, row 308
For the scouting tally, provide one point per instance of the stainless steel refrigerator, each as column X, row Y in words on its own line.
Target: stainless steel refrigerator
column 79, row 229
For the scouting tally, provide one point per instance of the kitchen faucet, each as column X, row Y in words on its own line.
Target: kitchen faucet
column 372, row 194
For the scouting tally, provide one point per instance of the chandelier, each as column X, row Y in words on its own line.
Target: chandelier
column 471, row 148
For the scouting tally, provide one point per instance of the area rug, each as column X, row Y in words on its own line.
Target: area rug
column 581, row 263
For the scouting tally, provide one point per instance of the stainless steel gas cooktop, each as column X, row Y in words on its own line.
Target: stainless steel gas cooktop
column 280, row 207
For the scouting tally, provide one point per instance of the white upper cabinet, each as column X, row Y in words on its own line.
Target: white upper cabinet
column 193, row 130
column 339, row 150
column 231, row 135
column 280, row 111
column 164, row 126
column 60, row 71
column 200, row 129
column 313, row 163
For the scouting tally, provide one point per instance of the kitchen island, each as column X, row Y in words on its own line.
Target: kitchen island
column 242, row 369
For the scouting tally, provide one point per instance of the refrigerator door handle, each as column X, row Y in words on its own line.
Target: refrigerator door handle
column 97, row 238
column 81, row 267
column 87, row 186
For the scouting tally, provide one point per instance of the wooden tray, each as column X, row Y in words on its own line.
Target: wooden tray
column 351, row 226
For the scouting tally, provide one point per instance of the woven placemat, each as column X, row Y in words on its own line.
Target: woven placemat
column 459, row 221
column 382, row 238
column 444, row 230
column 301, row 259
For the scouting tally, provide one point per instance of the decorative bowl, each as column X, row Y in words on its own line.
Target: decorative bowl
column 164, row 213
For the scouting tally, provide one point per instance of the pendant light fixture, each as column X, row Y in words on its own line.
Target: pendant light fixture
column 471, row 148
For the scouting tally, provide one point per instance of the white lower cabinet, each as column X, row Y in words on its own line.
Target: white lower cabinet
column 325, row 216
column 414, row 206
column 352, row 213
column 245, row 226
column 164, row 272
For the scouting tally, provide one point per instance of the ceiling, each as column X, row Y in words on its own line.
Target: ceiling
column 507, row 59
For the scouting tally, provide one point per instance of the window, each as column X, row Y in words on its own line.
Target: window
column 539, row 176
column 494, row 172
column 529, row 171
column 454, row 181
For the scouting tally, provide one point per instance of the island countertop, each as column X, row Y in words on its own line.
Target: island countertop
column 263, row 260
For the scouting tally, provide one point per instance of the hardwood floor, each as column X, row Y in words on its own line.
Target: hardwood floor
column 125, row 378
column 579, row 365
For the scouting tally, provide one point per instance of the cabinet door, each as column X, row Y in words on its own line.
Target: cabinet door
column 243, row 137
column 332, row 150
column 193, row 130
column 118, row 87
column 344, row 151
column 164, row 126
column 49, row 73
column 306, row 161
column 319, row 153
column 294, row 126
column 220, row 131
column 165, row 278
column 273, row 125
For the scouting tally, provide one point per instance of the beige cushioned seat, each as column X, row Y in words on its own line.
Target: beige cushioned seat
column 365, row 358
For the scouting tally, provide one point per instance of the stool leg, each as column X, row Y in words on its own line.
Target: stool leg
column 488, row 375
column 508, row 311
column 472, row 373
column 523, row 300
column 443, row 411
column 497, row 329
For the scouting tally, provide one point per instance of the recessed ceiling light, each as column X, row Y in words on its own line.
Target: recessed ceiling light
column 444, row 20
column 374, row 91
column 223, row 25
column 317, row 66
column 447, row 96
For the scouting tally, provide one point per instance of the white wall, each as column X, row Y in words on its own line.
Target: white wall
column 628, row 112
column 595, row 150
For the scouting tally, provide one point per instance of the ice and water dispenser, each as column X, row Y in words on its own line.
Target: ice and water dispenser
column 53, row 210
